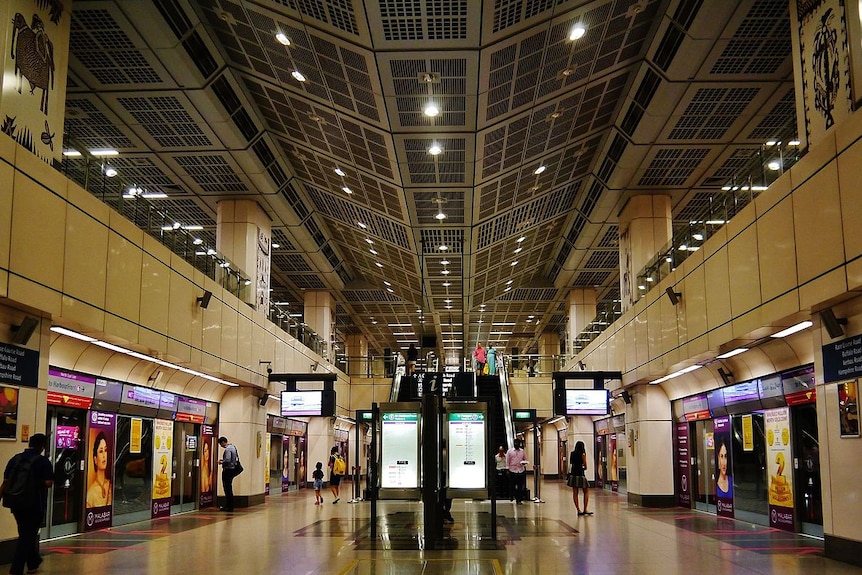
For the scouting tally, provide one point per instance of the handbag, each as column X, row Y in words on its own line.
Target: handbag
column 238, row 469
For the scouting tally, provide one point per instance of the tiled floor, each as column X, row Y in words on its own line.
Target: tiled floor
column 290, row 535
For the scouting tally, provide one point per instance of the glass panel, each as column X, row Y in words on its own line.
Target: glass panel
column 748, row 465
column 133, row 468
column 68, row 454
column 807, row 477
column 703, row 452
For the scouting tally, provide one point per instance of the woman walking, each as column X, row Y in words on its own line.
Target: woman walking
column 577, row 478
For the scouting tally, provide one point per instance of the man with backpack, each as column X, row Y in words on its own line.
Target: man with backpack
column 24, row 490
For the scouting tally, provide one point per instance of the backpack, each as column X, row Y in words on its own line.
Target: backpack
column 20, row 491
column 339, row 467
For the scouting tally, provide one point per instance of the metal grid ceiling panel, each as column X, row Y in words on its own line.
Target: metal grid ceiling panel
column 412, row 94
column 672, row 166
column 166, row 120
column 88, row 125
column 415, row 20
column 427, row 204
column 760, row 45
column 213, row 173
column 101, row 45
column 433, row 239
column 520, row 218
column 780, row 121
column 447, row 168
column 711, row 113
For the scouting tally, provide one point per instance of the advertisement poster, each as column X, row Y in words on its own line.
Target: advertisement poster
column 466, row 451
column 288, row 461
column 779, row 460
column 8, row 412
column 207, row 474
column 266, row 463
column 848, row 411
column 723, row 466
column 136, row 433
column 100, row 489
column 683, row 469
column 600, row 449
column 612, row 464
column 400, row 451
column 163, row 441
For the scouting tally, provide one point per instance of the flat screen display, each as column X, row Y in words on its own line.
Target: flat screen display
column 587, row 402
column 467, row 451
column 399, row 467
column 301, row 403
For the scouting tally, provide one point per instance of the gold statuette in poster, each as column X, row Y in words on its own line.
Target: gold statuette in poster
column 779, row 490
column 162, row 485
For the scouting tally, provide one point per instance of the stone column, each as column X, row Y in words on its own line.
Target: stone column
column 244, row 237
column 320, row 318
column 582, row 310
column 645, row 228
column 649, row 461
column 357, row 356
column 549, row 351
column 243, row 421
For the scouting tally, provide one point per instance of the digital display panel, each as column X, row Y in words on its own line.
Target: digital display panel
column 587, row 402
column 466, row 450
column 399, row 467
column 301, row 403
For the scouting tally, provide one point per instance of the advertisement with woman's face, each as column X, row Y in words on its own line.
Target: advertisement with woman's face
column 100, row 489
column 723, row 462
column 207, row 483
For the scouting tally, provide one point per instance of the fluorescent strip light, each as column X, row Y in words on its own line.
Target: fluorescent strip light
column 404, row 333
column 504, row 323
column 104, row 153
column 732, row 352
column 793, row 329
column 400, row 325
column 74, row 334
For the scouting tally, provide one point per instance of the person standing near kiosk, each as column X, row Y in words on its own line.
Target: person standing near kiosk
column 516, row 462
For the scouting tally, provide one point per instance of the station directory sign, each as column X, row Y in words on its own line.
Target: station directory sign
column 467, row 449
column 400, row 440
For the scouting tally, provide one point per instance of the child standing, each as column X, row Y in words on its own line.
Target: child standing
column 317, row 475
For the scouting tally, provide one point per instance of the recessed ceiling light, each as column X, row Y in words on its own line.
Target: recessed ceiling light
column 518, row 250
column 197, row 241
column 361, row 225
column 110, row 172
column 373, row 251
column 282, row 39
column 445, row 272
column 103, row 153
column 386, row 283
column 447, row 284
column 347, row 190
column 793, row 143
column 774, row 165
column 521, row 239
column 445, row 262
column 447, row 300
column 431, row 110
column 435, row 150
column 793, row 329
column 540, row 169
column 297, row 75
column 443, row 247
column 390, row 290
column 698, row 237
column 72, row 154
column 211, row 252
column 440, row 216
column 369, row 241
column 514, row 263
column 340, row 172
column 448, row 307
column 507, row 283
column 771, row 143
column 193, row 228
column 530, row 316
column 508, row 288
column 577, row 32
column 154, row 195
column 378, row 264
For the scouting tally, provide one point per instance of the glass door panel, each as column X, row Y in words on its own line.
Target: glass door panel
column 703, row 466
column 66, row 451
column 133, row 470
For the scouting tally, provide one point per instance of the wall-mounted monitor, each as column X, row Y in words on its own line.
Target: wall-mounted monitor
column 302, row 403
column 586, row 402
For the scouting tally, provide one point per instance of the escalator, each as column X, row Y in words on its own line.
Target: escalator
column 496, row 389
column 404, row 387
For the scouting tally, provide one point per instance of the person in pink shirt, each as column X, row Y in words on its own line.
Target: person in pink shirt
column 481, row 356
column 516, row 462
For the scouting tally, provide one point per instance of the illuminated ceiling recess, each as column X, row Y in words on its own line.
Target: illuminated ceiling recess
column 516, row 121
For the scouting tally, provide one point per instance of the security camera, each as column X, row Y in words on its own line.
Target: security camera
column 269, row 369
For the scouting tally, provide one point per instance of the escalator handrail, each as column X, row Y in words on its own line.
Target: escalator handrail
column 503, row 371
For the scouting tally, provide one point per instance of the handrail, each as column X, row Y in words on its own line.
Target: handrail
column 507, row 404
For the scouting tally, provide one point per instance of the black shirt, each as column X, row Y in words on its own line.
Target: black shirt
column 41, row 471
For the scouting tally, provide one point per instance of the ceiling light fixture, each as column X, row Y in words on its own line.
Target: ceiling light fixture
column 369, row 241
column 282, row 39
column 440, row 215
column 103, row 153
column 378, row 264
column 793, row 329
column 197, row 241
column 340, row 172
column 540, row 169
column 517, row 251
column 577, row 32
column 514, row 263
column 347, row 190
column 443, row 247
column 774, row 165
column 445, row 262
column 431, row 110
column 435, row 150
column 373, row 251
column 361, row 225
column 386, row 283
column 110, row 172
column 447, row 284
column 732, row 352
column 297, row 75
column 521, row 239
column 445, row 272
column 275, row 245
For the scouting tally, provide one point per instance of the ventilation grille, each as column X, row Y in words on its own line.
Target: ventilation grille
column 780, row 121
column 611, row 239
column 87, row 125
column 510, row 12
column 212, row 173
column 428, row 204
column 291, row 263
column 643, row 96
column 368, row 295
column 672, row 167
column 448, row 167
column 711, row 113
column 433, row 239
column 523, row 217
column 449, row 94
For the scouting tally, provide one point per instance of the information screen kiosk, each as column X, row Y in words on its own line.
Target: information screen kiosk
column 400, row 450
column 467, row 449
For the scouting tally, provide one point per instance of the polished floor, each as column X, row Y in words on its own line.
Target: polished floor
column 291, row 535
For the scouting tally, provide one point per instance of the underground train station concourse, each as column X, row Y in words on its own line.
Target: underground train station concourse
column 438, row 286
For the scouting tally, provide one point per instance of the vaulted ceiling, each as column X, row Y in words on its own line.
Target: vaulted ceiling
column 204, row 103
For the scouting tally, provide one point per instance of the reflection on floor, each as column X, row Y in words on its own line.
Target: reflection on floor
column 292, row 535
